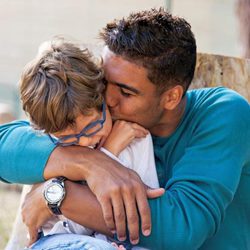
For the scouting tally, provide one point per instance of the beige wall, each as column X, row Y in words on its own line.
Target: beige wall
column 24, row 24
column 214, row 24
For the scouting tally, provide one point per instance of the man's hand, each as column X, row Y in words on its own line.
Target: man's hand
column 123, row 198
column 35, row 211
column 120, row 191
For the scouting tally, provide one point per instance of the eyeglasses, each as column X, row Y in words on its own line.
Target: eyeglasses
column 88, row 131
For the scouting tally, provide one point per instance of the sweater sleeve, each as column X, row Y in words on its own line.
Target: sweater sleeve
column 204, row 180
column 23, row 153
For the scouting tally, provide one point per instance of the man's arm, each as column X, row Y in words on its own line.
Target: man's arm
column 92, row 217
column 80, row 205
column 204, row 180
column 23, row 153
column 30, row 157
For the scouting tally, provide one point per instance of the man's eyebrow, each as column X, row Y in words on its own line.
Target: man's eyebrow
column 124, row 86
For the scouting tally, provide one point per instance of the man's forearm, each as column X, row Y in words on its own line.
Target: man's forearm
column 71, row 162
column 81, row 206
column 119, row 191
column 75, row 163
column 23, row 153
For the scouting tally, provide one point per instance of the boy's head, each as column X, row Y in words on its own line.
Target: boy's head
column 161, row 43
column 60, row 84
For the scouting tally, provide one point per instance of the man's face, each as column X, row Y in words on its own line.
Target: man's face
column 130, row 95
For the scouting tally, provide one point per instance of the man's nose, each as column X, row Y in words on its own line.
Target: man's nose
column 111, row 98
column 111, row 101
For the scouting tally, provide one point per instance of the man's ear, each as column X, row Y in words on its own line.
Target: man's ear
column 172, row 97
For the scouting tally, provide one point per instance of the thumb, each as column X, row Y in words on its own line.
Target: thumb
column 33, row 233
column 154, row 192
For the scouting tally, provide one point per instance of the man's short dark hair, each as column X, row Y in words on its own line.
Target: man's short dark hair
column 161, row 43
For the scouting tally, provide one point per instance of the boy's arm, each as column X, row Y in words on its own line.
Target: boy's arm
column 122, row 134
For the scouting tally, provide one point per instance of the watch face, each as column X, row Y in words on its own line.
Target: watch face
column 54, row 193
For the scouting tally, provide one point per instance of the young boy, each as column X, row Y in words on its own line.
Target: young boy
column 62, row 91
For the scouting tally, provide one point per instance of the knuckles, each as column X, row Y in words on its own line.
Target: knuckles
column 108, row 219
column 133, row 219
column 120, row 216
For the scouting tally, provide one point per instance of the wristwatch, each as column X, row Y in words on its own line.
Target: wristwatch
column 54, row 193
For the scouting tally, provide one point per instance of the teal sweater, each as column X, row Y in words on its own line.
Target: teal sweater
column 204, row 166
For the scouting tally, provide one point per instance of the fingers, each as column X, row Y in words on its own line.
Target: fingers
column 123, row 200
column 132, row 216
column 120, row 217
column 154, row 193
column 120, row 247
column 35, row 216
column 139, row 128
column 107, row 211
column 139, row 134
column 134, row 129
column 136, row 205
column 115, row 215
column 120, row 212
column 128, row 216
column 144, row 211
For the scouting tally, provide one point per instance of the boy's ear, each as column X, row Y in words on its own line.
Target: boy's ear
column 172, row 97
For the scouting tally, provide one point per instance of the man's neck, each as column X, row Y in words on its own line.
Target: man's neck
column 170, row 121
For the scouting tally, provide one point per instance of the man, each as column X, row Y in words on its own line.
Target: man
column 201, row 144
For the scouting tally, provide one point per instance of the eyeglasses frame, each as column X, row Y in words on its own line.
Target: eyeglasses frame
column 61, row 141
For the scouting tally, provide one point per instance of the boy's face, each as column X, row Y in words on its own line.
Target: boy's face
column 82, row 121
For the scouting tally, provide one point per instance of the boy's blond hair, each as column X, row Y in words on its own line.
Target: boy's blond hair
column 62, row 82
